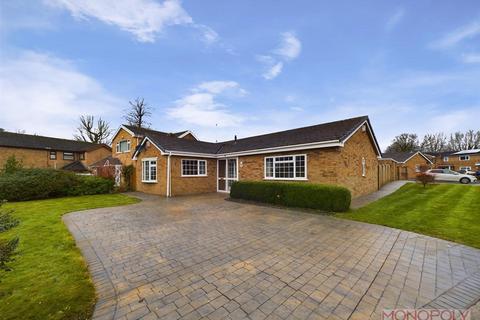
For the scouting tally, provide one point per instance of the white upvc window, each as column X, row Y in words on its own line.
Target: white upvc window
column 464, row 158
column 364, row 167
column 445, row 159
column 194, row 168
column 123, row 146
column 466, row 168
column 291, row 167
column 149, row 170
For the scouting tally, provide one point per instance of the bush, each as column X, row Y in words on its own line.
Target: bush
column 292, row 194
column 12, row 165
column 31, row 184
column 6, row 219
column 425, row 178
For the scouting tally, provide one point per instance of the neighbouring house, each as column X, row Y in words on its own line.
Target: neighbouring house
column 406, row 165
column 457, row 160
column 343, row 153
column 46, row 152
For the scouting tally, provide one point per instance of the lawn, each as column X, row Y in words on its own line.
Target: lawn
column 446, row 211
column 49, row 278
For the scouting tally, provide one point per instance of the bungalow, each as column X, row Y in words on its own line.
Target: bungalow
column 458, row 160
column 46, row 152
column 406, row 165
column 343, row 152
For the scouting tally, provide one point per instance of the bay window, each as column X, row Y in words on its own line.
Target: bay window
column 194, row 168
column 149, row 170
column 291, row 167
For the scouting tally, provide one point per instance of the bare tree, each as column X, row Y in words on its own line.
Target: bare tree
column 89, row 132
column 404, row 142
column 139, row 112
column 434, row 142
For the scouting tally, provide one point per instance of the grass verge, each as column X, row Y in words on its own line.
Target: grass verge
column 49, row 278
column 446, row 211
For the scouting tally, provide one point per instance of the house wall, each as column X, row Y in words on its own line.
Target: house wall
column 160, row 187
column 387, row 171
column 33, row 158
column 125, row 157
column 192, row 185
column 454, row 161
column 339, row 166
column 408, row 170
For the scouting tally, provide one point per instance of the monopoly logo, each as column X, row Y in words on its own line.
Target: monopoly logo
column 426, row 314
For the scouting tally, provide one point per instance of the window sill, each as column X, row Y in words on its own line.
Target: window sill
column 151, row 181
column 286, row 179
column 197, row 176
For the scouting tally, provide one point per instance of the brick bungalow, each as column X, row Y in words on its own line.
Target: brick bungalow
column 405, row 165
column 457, row 160
column 343, row 152
column 46, row 152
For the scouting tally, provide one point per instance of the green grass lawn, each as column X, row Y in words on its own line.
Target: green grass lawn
column 49, row 278
column 445, row 211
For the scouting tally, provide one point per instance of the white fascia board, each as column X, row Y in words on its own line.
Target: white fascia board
column 420, row 153
column 370, row 131
column 139, row 147
column 186, row 133
column 192, row 154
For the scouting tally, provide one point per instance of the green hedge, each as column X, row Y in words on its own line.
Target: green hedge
column 32, row 184
column 294, row 194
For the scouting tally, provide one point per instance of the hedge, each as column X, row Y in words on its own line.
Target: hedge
column 294, row 194
column 32, row 184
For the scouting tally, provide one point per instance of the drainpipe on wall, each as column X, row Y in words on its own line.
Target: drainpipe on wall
column 169, row 192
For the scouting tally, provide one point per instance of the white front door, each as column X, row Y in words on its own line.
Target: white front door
column 227, row 173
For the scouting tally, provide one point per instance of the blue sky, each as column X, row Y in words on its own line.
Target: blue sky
column 222, row 68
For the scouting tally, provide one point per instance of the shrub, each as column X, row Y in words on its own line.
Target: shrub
column 425, row 178
column 31, row 184
column 6, row 251
column 12, row 165
column 292, row 194
column 6, row 219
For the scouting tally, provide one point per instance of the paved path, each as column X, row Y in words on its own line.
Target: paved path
column 387, row 189
column 205, row 257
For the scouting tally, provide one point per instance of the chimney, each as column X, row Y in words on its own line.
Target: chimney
column 235, row 138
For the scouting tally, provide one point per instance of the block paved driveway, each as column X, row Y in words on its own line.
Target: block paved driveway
column 206, row 257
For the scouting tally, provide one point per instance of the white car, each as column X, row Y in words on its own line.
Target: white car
column 452, row 176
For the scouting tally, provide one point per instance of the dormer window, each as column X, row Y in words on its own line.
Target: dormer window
column 123, row 146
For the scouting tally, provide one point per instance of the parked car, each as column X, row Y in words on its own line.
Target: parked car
column 452, row 176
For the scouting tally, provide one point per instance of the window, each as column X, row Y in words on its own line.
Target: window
column 194, row 168
column 81, row 156
column 68, row 156
column 464, row 158
column 466, row 168
column 364, row 167
column 436, row 171
column 149, row 170
column 286, row 167
column 417, row 168
column 123, row 146
column 53, row 155
column 445, row 159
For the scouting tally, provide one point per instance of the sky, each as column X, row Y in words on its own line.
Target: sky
column 225, row 68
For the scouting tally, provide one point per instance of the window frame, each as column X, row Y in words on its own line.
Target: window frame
column 198, row 168
column 81, row 156
column 150, row 160
column 467, row 158
column 295, row 178
column 467, row 168
column 117, row 147
column 54, row 154
column 445, row 159
column 72, row 153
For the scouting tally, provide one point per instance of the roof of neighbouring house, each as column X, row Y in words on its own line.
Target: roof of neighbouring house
column 335, row 132
column 76, row 166
column 28, row 141
column 403, row 157
column 471, row 151
column 108, row 161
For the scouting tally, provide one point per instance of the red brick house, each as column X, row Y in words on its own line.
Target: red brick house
column 343, row 152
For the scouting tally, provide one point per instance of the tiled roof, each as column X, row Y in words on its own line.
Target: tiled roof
column 402, row 156
column 336, row 131
column 28, row 141
column 76, row 166
column 471, row 151
column 112, row 161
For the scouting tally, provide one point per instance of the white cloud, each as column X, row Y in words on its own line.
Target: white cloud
column 201, row 106
column 44, row 94
column 289, row 49
column 471, row 57
column 451, row 39
column 395, row 19
column 290, row 46
column 145, row 19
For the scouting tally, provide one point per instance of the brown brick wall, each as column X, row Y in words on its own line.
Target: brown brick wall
column 160, row 187
column 340, row 166
column 456, row 164
column 193, row 185
column 125, row 157
column 33, row 158
column 409, row 169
